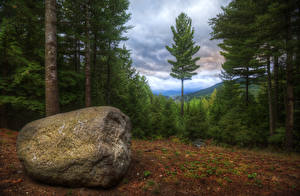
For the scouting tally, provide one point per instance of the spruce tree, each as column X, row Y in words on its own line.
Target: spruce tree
column 183, row 50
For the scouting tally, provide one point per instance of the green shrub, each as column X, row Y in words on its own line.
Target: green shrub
column 252, row 176
column 278, row 137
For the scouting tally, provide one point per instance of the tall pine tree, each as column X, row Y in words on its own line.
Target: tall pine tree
column 183, row 50
column 235, row 27
column 51, row 88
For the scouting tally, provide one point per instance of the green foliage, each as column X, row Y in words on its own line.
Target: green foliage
column 21, row 73
column 195, row 119
column 227, row 179
column 22, row 55
column 183, row 49
column 278, row 138
column 250, row 31
column 147, row 173
column 252, row 176
column 151, row 183
column 235, row 27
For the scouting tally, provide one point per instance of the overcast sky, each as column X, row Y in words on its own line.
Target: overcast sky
column 152, row 20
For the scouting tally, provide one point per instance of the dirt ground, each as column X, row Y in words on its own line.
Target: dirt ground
column 168, row 167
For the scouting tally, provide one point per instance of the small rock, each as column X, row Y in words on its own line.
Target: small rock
column 199, row 143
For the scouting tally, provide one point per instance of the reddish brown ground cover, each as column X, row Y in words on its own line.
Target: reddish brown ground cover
column 168, row 167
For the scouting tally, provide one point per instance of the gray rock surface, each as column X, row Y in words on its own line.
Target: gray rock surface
column 88, row 147
column 199, row 143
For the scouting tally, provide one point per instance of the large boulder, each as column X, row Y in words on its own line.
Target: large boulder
column 88, row 147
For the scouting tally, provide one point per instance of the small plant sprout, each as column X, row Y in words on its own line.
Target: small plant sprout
column 147, row 173
column 252, row 176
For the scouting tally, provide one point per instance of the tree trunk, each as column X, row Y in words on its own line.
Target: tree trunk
column 95, row 52
column 78, row 55
column 182, row 99
column 247, row 88
column 3, row 116
column 4, row 74
column 75, row 55
column 87, row 59
column 108, row 82
column 289, row 120
column 276, row 90
column 51, row 83
column 270, row 98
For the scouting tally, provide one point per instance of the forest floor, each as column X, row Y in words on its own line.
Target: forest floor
column 169, row 167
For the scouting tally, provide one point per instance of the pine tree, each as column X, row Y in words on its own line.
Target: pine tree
column 235, row 27
column 270, row 41
column 183, row 50
column 51, row 88
column 87, row 56
column 276, row 36
column 289, row 119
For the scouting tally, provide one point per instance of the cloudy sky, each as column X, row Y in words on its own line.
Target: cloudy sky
column 152, row 20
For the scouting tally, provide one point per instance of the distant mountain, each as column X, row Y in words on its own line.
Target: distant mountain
column 171, row 93
column 253, row 89
column 200, row 93
column 204, row 92
column 190, row 93
column 168, row 93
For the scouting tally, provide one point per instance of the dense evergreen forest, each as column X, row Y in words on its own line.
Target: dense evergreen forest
column 259, row 40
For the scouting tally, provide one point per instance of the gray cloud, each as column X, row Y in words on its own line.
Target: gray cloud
column 151, row 33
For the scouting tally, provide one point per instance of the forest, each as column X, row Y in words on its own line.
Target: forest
column 260, row 43
column 58, row 56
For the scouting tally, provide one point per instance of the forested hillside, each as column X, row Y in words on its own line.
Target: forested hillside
column 259, row 40
column 204, row 92
column 253, row 89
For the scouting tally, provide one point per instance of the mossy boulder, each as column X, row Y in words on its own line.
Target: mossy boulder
column 84, row 148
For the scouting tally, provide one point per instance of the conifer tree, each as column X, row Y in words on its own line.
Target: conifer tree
column 235, row 27
column 51, row 88
column 87, row 57
column 183, row 50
